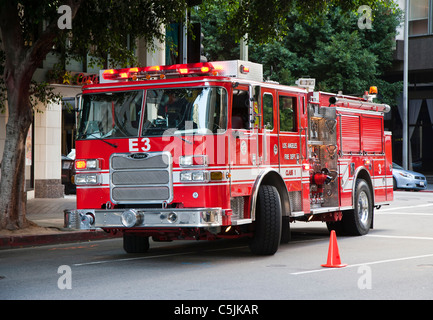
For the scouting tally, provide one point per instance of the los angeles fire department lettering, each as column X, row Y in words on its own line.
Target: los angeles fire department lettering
column 290, row 145
column 291, row 156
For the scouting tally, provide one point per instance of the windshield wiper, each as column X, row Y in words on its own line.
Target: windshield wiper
column 99, row 138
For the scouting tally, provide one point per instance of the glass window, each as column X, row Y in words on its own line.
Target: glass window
column 268, row 111
column 185, row 111
column 110, row 115
column 418, row 17
column 287, row 107
column 240, row 109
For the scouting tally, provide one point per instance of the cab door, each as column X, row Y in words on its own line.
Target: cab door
column 243, row 141
column 268, row 130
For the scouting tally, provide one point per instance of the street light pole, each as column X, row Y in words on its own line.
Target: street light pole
column 405, row 85
column 185, row 38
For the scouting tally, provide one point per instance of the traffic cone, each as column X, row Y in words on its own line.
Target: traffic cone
column 334, row 260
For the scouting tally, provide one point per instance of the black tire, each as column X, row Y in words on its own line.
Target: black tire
column 337, row 226
column 286, row 235
column 267, row 226
column 357, row 222
column 135, row 244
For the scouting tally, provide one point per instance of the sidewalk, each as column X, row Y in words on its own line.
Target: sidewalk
column 47, row 214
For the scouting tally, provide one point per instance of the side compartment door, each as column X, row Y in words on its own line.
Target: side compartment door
column 289, row 140
column 388, row 166
column 373, row 145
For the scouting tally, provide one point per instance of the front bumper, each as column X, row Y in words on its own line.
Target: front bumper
column 413, row 184
column 144, row 218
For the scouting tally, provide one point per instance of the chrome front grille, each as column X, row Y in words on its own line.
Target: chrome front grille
column 141, row 177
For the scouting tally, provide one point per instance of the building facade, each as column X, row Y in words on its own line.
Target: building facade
column 52, row 133
column 420, row 91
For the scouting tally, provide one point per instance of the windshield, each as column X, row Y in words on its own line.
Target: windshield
column 110, row 115
column 395, row 165
column 185, row 111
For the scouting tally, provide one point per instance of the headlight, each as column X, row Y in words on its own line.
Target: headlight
column 67, row 165
column 185, row 161
column 92, row 164
column 198, row 176
column 87, row 179
column 188, row 161
column 186, row 176
column 406, row 175
column 194, row 176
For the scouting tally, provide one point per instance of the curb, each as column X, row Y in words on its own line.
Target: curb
column 19, row 241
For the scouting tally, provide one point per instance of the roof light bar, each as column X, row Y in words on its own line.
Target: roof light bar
column 125, row 74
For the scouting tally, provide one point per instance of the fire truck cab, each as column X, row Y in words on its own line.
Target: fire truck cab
column 210, row 151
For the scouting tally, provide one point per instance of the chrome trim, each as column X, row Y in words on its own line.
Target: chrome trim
column 149, row 218
column 143, row 169
column 206, row 79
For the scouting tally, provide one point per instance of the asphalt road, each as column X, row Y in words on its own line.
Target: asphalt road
column 394, row 261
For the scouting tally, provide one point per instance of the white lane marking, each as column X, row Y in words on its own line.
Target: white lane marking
column 364, row 264
column 398, row 237
column 152, row 257
column 130, row 259
column 404, row 213
column 406, row 207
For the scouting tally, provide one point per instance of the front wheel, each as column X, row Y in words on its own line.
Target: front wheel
column 135, row 244
column 267, row 227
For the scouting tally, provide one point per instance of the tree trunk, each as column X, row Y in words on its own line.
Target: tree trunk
column 20, row 64
column 13, row 197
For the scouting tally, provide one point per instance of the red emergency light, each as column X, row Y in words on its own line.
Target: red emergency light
column 198, row 69
column 244, row 69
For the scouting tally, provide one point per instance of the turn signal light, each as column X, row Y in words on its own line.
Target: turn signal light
column 80, row 164
column 90, row 164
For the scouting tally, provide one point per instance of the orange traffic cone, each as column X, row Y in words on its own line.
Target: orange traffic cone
column 334, row 260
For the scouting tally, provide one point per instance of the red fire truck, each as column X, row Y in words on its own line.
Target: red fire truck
column 210, row 151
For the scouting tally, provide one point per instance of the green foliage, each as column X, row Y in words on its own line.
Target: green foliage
column 264, row 20
column 106, row 26
column 321, row 41
column 106, row 29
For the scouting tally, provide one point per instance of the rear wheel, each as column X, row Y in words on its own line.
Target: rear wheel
column 133, row 243
column 356, row 222
column 267, row 227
